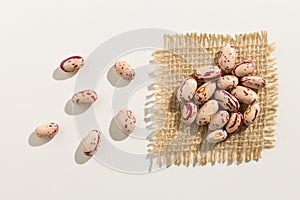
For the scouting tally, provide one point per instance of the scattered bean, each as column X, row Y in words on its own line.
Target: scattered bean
column 126, row 120
column 47, row 130
column 124, row 70
column 91, row 142
column 85, row 97
column 72, row 64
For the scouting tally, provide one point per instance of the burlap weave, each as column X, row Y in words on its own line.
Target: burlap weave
column 179, row 58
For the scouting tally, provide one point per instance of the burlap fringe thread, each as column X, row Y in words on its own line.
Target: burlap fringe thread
column 178, row 60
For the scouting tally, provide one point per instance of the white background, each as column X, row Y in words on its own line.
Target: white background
column 36, row 35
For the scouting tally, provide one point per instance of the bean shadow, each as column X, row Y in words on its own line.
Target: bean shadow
column 115, row 132
column 59, row 75
column 35, row 140
column 116, row 80
column 80, row 157
column 75, row 109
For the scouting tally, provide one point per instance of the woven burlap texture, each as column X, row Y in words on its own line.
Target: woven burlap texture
column 181, row 55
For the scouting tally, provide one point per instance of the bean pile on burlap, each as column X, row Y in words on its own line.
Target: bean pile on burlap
column 171, row 142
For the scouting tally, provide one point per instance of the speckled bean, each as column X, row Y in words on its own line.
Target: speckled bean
column 204, row 92
column 72, row 64
column 254, row 82
column 244, row 95
column 206, row 112
column 186, row 90
column 235, row 122
column 189, row 113
column 85, row 97
column 91, row 142
column 219, row 120
column 243, row 68
column 227, row 101
column 47, row 130
column 227, row 58
column 227, row 82
column 207, row 73
column 251, row 113
column 126, row 120
column 124, row 70
column 216, row 136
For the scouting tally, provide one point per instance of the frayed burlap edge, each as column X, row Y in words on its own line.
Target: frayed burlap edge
column 179, row 58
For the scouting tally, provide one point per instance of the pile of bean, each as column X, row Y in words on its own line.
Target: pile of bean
column 216, row 95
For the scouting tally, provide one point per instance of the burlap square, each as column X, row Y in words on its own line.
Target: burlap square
column 173, row 144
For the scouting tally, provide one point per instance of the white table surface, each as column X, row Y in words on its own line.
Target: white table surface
column 36, row 35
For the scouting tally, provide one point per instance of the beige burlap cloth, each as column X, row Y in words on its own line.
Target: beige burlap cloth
column 179, row 58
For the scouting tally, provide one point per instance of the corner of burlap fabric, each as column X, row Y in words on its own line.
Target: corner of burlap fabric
column 182, row 53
